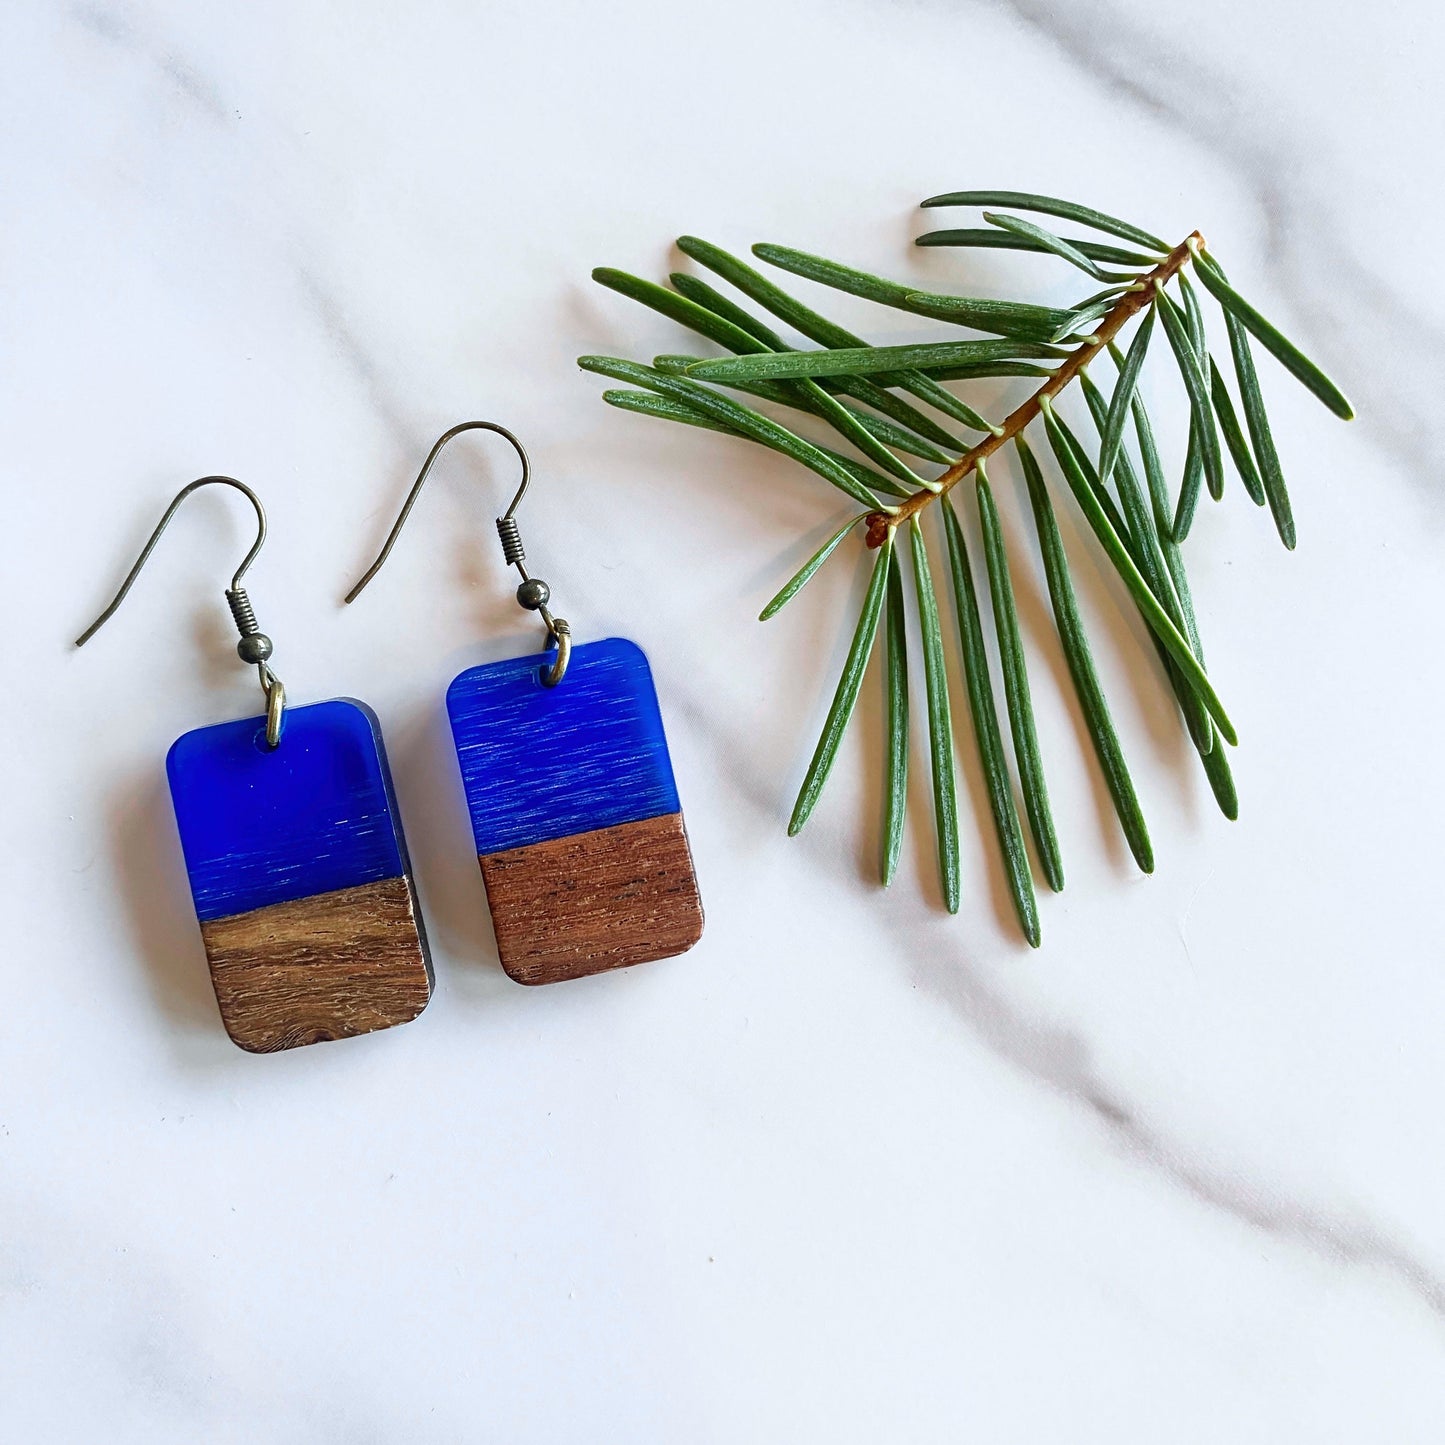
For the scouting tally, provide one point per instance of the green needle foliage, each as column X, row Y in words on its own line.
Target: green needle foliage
column 1016, row 684
column 940, row 723
column 1080, row 660
column 849, row 686
column 895, row 767
column 888, row 403
column 986, row 728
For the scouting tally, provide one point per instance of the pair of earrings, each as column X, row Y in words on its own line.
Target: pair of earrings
column 294, row 846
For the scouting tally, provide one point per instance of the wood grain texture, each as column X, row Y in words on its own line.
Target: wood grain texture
column 594, row 901
column 325, row 967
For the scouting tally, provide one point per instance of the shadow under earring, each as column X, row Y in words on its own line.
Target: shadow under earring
column 294, row 848
column 568, row 781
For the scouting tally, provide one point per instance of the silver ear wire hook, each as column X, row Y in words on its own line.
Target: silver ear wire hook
column 534, row 594
column 254, row 646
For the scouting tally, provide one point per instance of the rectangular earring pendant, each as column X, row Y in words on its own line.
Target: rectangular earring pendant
column 575, row 813
column 299, row 872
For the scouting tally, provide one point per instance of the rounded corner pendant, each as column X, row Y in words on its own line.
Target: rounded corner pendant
column 575, row 813
column 300, row 876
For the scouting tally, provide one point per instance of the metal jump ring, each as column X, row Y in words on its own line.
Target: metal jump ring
column 562, row 636
column 275, row 705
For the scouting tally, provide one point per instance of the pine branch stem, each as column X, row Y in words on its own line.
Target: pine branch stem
column 881, row 524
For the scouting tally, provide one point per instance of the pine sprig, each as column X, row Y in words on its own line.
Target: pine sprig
column 887, row 400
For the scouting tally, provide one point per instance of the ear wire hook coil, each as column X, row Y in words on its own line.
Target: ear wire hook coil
column 254, row 647
column 533, row 594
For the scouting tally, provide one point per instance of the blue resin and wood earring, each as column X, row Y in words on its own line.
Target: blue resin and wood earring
column 295, row 852
column 299, row 872
column 569, row 785
column 575, row 813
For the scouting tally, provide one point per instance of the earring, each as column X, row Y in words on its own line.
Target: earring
column 578, row 828
column 294, row 848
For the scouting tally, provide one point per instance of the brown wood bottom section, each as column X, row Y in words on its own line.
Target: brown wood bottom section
column 325, row 967
column 594, row 901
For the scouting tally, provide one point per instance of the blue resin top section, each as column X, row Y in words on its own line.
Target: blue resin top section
column 546, row 762
column 261, row 827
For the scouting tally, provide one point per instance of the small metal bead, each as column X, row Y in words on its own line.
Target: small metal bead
column 256, row 648
column 534, row 593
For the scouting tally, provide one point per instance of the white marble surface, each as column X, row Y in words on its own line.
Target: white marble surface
column 853, row 1170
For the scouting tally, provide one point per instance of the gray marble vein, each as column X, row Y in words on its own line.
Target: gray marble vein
column 379, row 392
column 124, row 28
column 1063, row 1060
